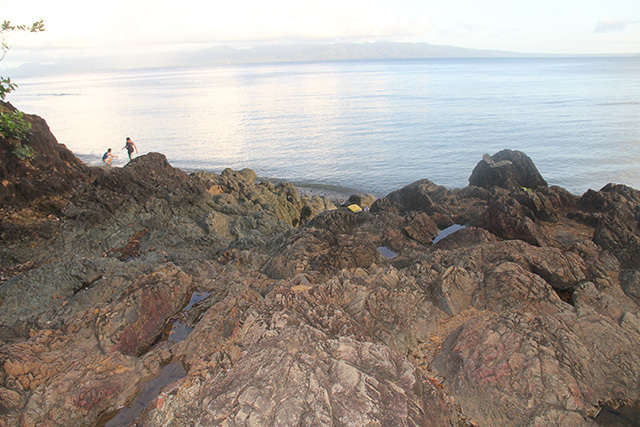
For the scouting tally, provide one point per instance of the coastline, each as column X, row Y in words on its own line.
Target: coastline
column 335, row 193
column 417, row 123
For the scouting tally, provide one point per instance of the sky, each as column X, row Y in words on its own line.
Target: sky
column 126, row 28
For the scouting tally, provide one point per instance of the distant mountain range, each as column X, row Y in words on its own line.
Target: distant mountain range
column 270, row 53
column 340, row 52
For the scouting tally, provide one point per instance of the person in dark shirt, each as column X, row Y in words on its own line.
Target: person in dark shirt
column 130, row 146
column 108, row 157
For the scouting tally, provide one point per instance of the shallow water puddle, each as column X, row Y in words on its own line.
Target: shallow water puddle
column 623, row 416
column 196, row 297
column 170, row 373
column 447, row 231
column 386, row 252
column 178, row 329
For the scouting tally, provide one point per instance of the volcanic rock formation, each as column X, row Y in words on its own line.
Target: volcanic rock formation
column 285, row 310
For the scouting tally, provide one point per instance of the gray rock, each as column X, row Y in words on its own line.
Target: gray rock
column 507, row 169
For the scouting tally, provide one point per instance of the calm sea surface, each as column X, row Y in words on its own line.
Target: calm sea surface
column 372, row 126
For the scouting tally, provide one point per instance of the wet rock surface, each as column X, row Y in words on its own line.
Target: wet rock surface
column 290, row 314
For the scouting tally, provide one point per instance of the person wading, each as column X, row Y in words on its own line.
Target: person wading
column 130, row 146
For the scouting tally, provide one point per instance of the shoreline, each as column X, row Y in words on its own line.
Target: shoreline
column 335, row 193
column 408, row 141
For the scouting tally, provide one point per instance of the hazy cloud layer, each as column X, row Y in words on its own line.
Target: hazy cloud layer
column 125, row 29
column 606, row 25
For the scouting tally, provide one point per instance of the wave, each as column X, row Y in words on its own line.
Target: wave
column 620, row 103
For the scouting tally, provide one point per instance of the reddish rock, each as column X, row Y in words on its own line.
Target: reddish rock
column 140, row 314
column 301, row 376
column 506, row 368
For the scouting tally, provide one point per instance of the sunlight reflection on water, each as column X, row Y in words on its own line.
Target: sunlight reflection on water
column 375, row 126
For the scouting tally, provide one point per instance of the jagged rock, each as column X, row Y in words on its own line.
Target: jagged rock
column 618, row 225
column 282, row 199
column 630, row 283
column 421, row 227
column 509, row 219
column 135, row 320
column 507, row 169
column 53, row 171
column 116, row 190
column 304, row 377
column 319, row 250
column 466, row 237
column 506, row 368
column 63, row 377
column 524, row 214
column 285, row 310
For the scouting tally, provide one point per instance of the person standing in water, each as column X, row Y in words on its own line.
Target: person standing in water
column 130, row 146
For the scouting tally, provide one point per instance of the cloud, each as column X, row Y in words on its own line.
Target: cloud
column 607, row 25
column 284, row 19
column 122, row 28
column 194, row 21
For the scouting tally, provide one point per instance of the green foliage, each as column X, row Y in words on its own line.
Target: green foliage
column 33, row 28
column 14, row 126
column 12, row 123
column 6, row 27
column 6, row 87
column 5, row 83
column 24, row 152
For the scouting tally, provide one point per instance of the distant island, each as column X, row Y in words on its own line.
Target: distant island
column 267, row 53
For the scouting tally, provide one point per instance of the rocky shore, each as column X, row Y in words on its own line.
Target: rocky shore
column 143, row 295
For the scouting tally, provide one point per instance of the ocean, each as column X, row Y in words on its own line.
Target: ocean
column 366, row 126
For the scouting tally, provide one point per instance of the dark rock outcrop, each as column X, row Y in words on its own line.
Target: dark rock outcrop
column 615, row 211
column 286, row 311
column 53, row 171
column 507, row 169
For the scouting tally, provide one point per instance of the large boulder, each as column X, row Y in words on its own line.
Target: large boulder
column 422, row 195
column 507, row 169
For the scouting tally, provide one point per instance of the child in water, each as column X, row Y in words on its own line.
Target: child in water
column 108, row 157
